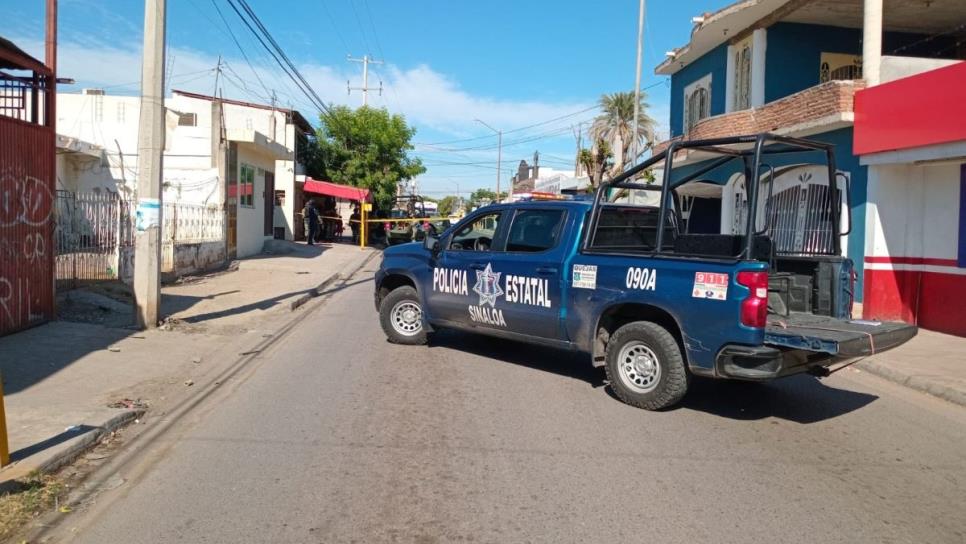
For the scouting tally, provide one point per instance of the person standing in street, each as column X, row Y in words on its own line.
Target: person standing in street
column 311, row 217
column 354, row 224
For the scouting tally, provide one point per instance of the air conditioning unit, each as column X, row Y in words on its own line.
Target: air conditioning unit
column 99, row 92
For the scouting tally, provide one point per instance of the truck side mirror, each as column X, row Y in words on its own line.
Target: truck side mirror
column 848, row 200
column 431, row 244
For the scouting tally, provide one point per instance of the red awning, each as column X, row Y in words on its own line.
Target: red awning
column 334, row 189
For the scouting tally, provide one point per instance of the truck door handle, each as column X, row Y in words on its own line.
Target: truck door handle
column 477, row 266
column 546, row 270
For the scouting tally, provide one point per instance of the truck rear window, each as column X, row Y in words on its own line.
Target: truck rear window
column 631, row 228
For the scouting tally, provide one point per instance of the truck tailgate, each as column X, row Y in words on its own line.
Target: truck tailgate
column 838, row 337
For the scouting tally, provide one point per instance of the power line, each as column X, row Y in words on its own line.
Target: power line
column 526, row 139
column 362, row 31
column 372, row 24
column 240, row 48
column 518, row 129
column 275, row 51
column 287, row 92
column 138, row 82
column 335, row 27
column 258, row 23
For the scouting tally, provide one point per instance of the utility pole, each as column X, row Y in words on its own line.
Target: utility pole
column 366, row 61
column 637, row 86
column 217, row 76
column 147, row 240
column 578, row 135
column 499, row 155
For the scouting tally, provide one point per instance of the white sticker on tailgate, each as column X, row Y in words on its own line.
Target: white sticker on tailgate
column 710, row 285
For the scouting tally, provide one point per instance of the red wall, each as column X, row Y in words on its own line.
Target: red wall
column 930, row 299
column 26, row 224
column 924, row 109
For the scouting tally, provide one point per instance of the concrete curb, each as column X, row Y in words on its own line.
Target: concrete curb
column 314, row 292
column 319, row 289
column 68, row 455
column 88, row 441
column 919, row 383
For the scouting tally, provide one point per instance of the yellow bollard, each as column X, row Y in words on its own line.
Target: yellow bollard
column 4, row 446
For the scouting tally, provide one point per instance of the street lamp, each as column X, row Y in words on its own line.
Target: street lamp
column 499, row 154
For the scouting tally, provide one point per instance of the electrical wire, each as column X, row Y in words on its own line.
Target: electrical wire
column 240, row 48
column 335, row 27
column 362, row 31
column 518, row 129
column 276, row 51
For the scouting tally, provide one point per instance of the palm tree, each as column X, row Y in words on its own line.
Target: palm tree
column 615, row 125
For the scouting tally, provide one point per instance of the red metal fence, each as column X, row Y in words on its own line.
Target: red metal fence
column 26, row 224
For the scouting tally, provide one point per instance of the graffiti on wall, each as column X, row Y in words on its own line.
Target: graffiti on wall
column 26, row 201
column 26, row 229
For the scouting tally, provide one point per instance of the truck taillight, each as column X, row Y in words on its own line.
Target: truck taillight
column 754, row 308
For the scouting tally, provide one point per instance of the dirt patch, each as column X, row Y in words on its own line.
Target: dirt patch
column 28, row 499
column 40, row 498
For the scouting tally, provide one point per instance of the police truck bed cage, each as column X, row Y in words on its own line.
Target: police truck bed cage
column 750, row 151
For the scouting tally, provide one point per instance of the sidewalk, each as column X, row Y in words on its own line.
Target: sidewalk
column 66, row 383
column 932, row 362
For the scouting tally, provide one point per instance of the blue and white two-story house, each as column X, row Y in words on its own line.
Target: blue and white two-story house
column 792, row 67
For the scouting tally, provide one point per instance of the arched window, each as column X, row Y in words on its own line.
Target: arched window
column 697, row 102
column 743, row 77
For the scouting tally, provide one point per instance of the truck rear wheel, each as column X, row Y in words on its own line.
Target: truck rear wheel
column 401, row 317
column 645, row 367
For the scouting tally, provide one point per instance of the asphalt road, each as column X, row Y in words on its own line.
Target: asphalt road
column 334, row 435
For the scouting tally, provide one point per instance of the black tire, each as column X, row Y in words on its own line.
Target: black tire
column 396, row 329
column 638, row 384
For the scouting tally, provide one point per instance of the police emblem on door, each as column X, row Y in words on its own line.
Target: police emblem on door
column 488, row 285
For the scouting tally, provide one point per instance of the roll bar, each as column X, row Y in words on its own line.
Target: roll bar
column 750, row 148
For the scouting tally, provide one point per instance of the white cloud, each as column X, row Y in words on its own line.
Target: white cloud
column 434, row 102
column 426, row 97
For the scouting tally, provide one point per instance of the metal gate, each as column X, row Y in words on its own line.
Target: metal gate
column 94, row 238
column 799, row 219
column 26, row 199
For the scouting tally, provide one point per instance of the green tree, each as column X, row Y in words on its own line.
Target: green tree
column 483, row 196
column 615, row 125
column 447, row 205
column 368, row 148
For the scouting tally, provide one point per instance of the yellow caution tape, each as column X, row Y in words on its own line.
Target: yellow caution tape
column 403, row 220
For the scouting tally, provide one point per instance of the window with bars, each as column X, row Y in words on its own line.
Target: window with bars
column 697, row 102
column 742, row 76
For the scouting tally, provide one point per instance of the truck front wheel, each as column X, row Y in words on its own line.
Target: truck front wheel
column 401, row 317
column 644, row 366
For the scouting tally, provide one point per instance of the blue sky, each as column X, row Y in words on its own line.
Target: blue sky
column 509, row 63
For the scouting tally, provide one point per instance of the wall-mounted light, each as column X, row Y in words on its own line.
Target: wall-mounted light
column 699, row 20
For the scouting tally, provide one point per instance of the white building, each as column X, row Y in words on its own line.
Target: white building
column 226, row 155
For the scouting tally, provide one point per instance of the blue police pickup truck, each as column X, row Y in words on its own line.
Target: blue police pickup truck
column 657, row 281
